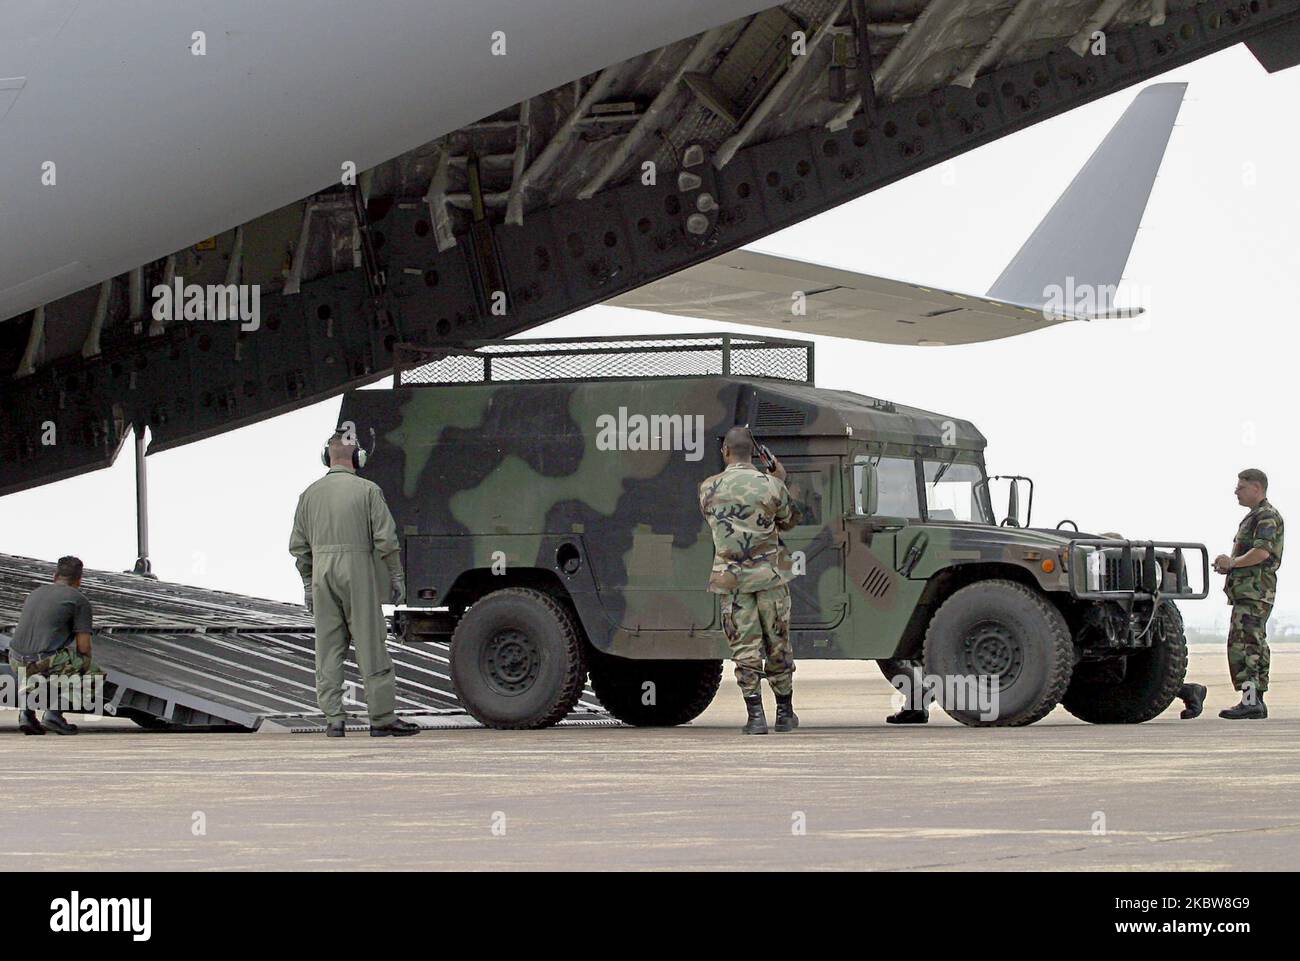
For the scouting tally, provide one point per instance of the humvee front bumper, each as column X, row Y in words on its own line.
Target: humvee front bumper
column 1106, row 569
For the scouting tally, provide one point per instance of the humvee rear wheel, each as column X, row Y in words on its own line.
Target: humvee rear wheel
column 517, row 660
column 1003, row 653
column 1138, row 687
column 654, row 693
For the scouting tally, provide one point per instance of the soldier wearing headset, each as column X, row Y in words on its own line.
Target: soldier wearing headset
column 345, row 546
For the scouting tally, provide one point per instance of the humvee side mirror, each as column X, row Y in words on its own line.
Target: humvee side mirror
column 869, row 492
column 1013, row 505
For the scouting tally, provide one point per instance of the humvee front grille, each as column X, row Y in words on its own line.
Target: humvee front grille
column 604, row 358
column 1118, row 576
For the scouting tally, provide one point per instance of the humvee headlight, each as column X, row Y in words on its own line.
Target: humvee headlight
column 1096, row 565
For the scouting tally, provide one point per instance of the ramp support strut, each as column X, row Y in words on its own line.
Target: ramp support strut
column 142, row 565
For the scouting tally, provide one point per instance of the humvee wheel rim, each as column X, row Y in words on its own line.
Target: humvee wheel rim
column 993, row 650
column 510, row 661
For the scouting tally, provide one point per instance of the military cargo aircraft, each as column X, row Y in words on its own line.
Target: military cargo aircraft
column 400, row 171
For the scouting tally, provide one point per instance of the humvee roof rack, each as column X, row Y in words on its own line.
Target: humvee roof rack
column 604, row 358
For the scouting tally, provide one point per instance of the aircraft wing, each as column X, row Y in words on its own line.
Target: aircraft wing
column 759, row 290
column 1068, row 269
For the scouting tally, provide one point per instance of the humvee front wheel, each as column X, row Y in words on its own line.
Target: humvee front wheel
column 654, row 693
column 1140, row 686
column 517, row 660
column 1003, row 653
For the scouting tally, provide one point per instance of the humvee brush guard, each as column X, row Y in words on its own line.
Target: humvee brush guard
column 546, row 492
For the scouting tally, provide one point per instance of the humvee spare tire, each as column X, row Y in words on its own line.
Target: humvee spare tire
column 677, row 691
column 1005, row 643
column 517, row 659
column 1135, row 688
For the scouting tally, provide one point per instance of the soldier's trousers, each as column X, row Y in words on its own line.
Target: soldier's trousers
column 757, row 626
column 60, row 690
column 346, row 606
column 1248, row 653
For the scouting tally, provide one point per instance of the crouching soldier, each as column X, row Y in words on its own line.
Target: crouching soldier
column 52, row 645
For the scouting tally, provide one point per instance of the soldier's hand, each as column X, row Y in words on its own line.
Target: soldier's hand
column 399, row 590
column 306, row 598
column 1222, row 564
column 778, row 470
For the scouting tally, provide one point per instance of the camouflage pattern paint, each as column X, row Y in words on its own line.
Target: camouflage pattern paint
column 490, row 482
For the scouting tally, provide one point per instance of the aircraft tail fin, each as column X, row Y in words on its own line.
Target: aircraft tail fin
column 1084, row 241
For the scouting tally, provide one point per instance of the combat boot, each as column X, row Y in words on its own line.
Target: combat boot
column 28, row 724
column 398, row 728
column 757, row 723
column 1246, row 712
column 1193, row 698
column 909, row 716
column 336, row 729
column 786, row 718
column 53, row 721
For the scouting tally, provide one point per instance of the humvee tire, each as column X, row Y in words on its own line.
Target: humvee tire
column 517, row 659
column 682, row 689
column 1150, row 681
column 1001, row 628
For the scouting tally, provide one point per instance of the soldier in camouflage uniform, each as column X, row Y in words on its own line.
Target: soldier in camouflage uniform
column 1251, row 587
column 52, row 645
column 746, row 510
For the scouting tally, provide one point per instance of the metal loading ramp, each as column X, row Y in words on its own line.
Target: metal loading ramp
column 186, row 658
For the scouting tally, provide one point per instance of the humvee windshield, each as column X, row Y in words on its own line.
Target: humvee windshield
column 956, row 492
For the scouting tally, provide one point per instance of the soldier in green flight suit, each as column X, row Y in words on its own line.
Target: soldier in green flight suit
column 1251, row 587
column 746, row 510
column 345, row 546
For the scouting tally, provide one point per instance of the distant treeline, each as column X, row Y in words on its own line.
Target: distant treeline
column 1276, row 632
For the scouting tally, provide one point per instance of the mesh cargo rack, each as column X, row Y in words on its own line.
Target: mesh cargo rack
column 604, row 358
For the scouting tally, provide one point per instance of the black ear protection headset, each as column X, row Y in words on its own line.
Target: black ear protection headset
column 359, row 453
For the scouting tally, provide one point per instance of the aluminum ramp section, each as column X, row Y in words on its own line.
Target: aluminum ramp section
column 187, row 658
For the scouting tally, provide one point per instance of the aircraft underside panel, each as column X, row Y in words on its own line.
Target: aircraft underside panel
column 392, row 265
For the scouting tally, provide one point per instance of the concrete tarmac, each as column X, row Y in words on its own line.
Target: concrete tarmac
column 843, row 792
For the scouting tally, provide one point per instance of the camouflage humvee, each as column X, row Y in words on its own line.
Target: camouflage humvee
column 546, row 492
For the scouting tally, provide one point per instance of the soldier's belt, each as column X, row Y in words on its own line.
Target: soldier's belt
column 34, row 667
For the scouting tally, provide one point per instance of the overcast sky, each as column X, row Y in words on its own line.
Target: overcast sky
column 1136, row 426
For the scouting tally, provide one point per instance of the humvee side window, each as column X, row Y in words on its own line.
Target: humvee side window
column 896, row 477
column 956, row 492
column 807, row 487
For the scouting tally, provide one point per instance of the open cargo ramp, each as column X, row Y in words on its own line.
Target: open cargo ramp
column 183, row 658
